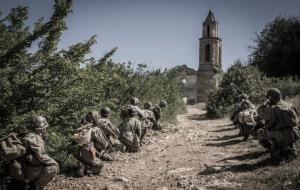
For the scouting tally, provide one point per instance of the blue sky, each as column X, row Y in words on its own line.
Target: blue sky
column 162, row 33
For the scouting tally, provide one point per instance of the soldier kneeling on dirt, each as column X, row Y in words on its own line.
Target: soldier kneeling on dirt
column 110, row 131
column 237, row 108
column 88, row 146
column 157, row 114
column 130, row 131
column 281, row 130
column 247, row 121
column 27, row 162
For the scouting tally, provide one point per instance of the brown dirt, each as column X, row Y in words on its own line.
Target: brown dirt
column 195, row 154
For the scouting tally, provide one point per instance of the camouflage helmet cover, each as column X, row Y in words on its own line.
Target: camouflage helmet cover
column 131, row 111
column 134, row 101
column 244, row 97
column 38, row 123
column 163, row 104
column 246, row 104
column 148, row 105
column 105, row 111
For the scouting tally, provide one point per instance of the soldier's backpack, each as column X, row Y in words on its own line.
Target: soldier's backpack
column 290, row 115
column 247, row 117
column 83, row 134
column 11, row 147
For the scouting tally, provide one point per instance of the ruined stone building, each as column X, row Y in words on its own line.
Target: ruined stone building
column 198, row 84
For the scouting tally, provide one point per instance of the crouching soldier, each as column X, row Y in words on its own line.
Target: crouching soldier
column 89, row 143
column 130, row 131
column 110, row 131
column 282, row 128
column 263, row 117
column 149, row 120
column 157, row 114
column 35, row 168
column 247, row 121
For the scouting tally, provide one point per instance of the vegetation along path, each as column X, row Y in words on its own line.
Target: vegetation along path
column 197, row 153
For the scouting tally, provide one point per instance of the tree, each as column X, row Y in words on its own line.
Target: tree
column 240, row 78
column 64, row 85
column 277, row 50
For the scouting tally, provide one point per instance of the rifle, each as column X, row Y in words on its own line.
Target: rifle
column 110, row 146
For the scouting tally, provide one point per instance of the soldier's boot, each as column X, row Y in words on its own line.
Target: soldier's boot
column 290, row 152
column 245, row 138
column 106, row 157
column 95, row 168
column 80, row 170
column 275, row 153
column 266, row 144
column 157, row 126
column 144, row 132
column 241, row 130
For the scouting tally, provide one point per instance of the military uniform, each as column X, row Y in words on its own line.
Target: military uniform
column 247, row 120
column 282, row 136
column 130, row 133
column 277, row 131
column 90, row 141
column 37, row 168
column 110, row 131
column 150, row 118
column 157, row 114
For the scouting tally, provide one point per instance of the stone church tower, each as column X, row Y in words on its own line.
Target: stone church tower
column 210, row 62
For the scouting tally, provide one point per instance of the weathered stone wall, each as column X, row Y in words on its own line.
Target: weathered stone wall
column 215, row 45
column 188, row 78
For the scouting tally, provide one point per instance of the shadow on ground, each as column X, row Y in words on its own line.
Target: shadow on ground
column 248, row 156
column 223, row 130
column 244, row 167
column 226, row 137
column 225, row 143
column 197, row 117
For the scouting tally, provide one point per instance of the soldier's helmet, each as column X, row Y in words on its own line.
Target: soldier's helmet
column 131, row 111
column 245, row 104
column 274, row 95
column 244, row 97
column 38, row 123
column 163, row 104
column 105, row 111
column 148, row 105
column 134, row 101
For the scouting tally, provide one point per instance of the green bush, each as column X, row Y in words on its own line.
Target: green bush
column 242, row 78
column 64, row 85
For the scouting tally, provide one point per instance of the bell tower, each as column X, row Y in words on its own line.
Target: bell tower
column 210, row 58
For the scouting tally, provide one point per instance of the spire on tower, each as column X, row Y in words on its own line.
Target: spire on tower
column 210, row 17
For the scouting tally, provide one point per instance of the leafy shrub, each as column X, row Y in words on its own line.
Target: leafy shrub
column 242, row 78
column 64, row 85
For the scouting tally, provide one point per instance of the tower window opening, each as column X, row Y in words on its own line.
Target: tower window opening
column 220, row 55
column 208, row 31
column 207, row 52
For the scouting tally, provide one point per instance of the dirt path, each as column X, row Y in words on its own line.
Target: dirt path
column 195, row 154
